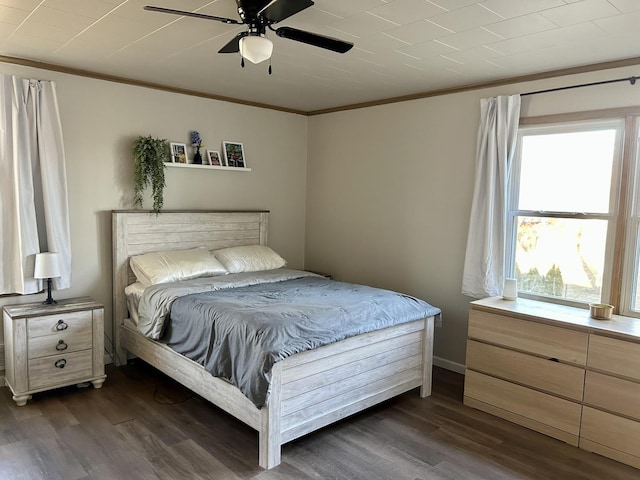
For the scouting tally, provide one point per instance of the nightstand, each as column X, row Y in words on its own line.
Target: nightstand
column 322, row 274
column 51, row 346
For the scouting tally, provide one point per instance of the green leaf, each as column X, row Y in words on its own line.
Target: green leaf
column 149, row 155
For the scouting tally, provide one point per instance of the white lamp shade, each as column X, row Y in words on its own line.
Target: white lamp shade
column 256, row 49
column 47, row 265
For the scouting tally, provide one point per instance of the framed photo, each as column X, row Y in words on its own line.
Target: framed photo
column 179, row 152
column 234, row 154
column 213, row 158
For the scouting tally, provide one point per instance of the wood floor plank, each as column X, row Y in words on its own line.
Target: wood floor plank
column 57, row 414
column 17, row 462
column 201, row 462
column 143, row 426
column 126, row 464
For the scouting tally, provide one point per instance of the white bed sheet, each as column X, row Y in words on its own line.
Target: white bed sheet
column 134, row 294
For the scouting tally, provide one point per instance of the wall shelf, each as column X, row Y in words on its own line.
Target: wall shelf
column 206, row 167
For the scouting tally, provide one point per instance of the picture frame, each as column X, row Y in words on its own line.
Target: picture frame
column 234, row 154
column 213, row 158
column 179, row 153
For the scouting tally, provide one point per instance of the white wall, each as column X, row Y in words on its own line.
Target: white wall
column 389, row 190
column 100, row 120
column 383, row 198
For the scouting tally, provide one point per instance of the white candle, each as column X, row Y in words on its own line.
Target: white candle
column 510, row 291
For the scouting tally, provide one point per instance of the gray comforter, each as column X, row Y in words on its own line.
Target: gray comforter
column 239, row 333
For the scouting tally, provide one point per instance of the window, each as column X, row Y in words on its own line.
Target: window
column 564, row 210
column 631, row 267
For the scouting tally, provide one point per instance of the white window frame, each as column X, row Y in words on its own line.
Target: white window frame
column 611, row 217
column 632, row 231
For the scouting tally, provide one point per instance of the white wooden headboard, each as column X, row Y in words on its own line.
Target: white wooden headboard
column 135, row 232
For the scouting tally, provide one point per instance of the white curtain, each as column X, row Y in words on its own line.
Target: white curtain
column 34, row 213
column 484, row 263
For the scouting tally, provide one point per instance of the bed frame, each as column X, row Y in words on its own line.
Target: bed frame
column 309, row 390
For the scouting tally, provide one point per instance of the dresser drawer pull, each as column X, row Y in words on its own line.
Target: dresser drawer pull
column 555, row 360
column 61, row 325
column 61, row 346
column 60, row 363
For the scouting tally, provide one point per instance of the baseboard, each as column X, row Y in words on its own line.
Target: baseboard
column 449, row 365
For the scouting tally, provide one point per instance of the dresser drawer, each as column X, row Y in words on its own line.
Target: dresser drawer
column 55, row 324
column 613, row 394
column 72, row 367
column 545, row 340
column 614, row 356
column 546, row 410
column 67, row 341
column 539, row 373
column 615, row 434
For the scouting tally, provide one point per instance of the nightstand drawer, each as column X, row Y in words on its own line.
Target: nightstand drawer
column 60, row 369
column 64, row 342
column 553, row 377
column 54, row 324
column 545, row 340
column 614, row 356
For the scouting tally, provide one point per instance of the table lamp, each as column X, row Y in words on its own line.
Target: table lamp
column 47, row 266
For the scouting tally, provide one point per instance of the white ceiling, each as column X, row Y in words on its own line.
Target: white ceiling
column 402, row 47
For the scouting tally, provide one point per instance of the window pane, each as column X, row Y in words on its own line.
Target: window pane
column 567, row 172
column 561, row 257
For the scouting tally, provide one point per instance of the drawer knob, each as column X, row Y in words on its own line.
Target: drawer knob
column 60, row 363
column 61, row 325
column 61, row 346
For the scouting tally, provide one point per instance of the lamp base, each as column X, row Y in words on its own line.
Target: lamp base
column 49, row 300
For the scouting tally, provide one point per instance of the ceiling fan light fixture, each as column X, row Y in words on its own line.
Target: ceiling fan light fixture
column 256, row 48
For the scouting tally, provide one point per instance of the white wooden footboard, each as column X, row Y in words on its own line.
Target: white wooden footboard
column 322, row 386
column 311, row 389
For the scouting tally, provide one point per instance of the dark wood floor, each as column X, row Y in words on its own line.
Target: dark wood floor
column 142, row 425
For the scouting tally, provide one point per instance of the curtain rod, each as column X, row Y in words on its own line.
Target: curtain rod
column 631, row 80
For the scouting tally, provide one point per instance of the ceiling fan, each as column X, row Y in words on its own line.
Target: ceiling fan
column 260, row 15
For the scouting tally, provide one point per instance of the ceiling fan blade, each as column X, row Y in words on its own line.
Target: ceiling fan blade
column 277, row 10
column 234, row 45
column 314, row 39
column 231, row 21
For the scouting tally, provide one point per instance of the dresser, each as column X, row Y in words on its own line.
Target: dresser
column 555, row 370
column 51, row 346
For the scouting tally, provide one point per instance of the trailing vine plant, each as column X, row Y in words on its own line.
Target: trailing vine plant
column 149, row 156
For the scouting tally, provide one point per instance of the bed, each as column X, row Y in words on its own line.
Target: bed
column 308, row 390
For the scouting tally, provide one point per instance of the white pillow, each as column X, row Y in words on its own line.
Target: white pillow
column 175, row 265
column 249, row 258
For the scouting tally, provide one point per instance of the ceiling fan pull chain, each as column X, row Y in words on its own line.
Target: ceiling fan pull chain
column 242, row 62
column 269, row 66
